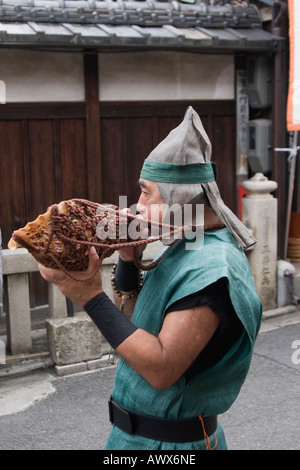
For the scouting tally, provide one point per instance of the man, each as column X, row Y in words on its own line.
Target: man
column 187, row 350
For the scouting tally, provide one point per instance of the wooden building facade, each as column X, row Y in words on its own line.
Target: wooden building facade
column 92, row 87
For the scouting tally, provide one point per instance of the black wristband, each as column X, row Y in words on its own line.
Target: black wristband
column 127, row 276
column 114, row 326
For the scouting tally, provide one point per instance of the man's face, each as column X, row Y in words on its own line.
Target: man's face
column 150, row 204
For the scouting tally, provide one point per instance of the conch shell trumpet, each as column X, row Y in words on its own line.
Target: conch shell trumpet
column 61, row 237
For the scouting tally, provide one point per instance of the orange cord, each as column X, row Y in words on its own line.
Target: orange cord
column 206, row 437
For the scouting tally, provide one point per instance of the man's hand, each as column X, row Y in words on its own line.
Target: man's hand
column 80, row 291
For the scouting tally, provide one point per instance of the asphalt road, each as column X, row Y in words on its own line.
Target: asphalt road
column 41, row 411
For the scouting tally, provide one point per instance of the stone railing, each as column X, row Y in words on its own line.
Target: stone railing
column 16, row 268
column 17, row 265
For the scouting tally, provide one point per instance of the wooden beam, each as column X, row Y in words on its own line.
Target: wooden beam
column 16, row 111
column 280, row 170
column 165, row 108
column 93, row 137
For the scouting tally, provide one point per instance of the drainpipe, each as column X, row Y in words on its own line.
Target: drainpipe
column 280, row 90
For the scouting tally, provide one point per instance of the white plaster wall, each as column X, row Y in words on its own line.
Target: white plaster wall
column 36, row 76
column 163, row 75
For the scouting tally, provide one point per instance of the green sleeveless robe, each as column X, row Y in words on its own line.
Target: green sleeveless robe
column 179, row 273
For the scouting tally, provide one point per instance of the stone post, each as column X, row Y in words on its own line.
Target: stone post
column 18, row 314
column 260, row 215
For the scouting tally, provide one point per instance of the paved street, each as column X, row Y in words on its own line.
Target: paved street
column 42, row 411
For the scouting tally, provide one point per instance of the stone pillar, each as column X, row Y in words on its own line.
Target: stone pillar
column 260, row 215
column 57, row 302
column 18, row 315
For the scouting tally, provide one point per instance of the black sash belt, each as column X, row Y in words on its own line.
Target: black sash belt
column 159, row 429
